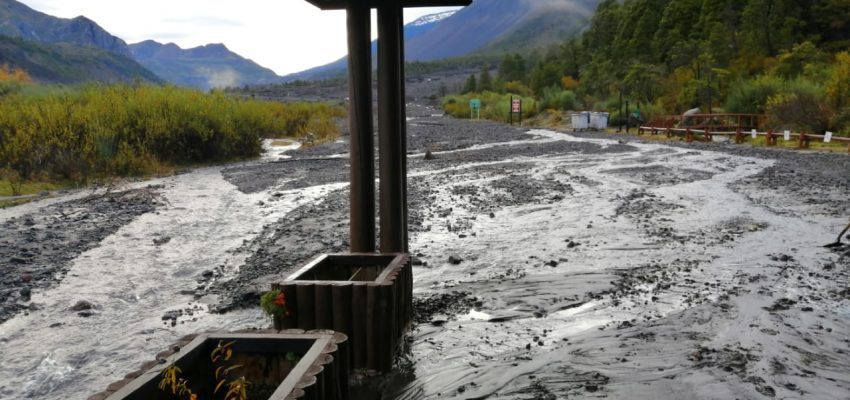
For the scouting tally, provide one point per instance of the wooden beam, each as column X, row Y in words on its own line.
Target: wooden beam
column 342, row 4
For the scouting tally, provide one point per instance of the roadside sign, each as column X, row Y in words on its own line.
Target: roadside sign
column 755, row 134
column 787, row 135
column 475, row 108
column 516, row 105
column 827, row 137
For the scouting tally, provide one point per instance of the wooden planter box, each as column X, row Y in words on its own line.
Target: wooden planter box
column 368, row 297
column 320, row 373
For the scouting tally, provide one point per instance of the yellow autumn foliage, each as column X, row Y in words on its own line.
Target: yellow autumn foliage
column 53, row 133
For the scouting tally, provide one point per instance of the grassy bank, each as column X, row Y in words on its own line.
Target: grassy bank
column 494, row 106
column 76, row 134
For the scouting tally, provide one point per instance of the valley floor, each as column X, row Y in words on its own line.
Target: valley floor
column 582, row 266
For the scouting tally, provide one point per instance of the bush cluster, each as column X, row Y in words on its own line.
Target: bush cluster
column 494, row 106
column 79, row 133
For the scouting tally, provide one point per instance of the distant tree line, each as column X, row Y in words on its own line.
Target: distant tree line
column 787, row 59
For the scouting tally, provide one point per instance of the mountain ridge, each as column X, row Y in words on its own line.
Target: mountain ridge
column 19, row 20
column 206, row 67
column 418, row 27
column 485, row 26
column 70, row 63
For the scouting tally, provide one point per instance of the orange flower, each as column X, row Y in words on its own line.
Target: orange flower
column 280, row 300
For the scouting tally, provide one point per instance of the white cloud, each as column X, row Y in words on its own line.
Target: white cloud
column 284, row 35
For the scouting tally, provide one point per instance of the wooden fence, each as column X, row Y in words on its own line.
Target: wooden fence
column 712, row 122
column 771, row 138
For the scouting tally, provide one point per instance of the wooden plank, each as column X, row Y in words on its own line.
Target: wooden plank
column 372, row 327
column 358, row 325
column 324, row 307
column 306, row 311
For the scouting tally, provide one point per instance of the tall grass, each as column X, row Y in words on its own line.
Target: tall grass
column 79, row 133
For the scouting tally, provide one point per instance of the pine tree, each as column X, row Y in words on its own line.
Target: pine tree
column 719, row 27
column 832, row 23
column 512, row 68
column 675, row 40
column 771, row 25
column 638, row 23
column 485, row 81
column 471, row 86
column 601, row 35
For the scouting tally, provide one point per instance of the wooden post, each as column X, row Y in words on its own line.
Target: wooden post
column 389, row 127
column 362, row 198
column 627, row 117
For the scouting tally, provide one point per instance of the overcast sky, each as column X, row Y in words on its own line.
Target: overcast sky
column 284, row 35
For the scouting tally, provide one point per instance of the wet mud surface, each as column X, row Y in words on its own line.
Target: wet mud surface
column 553, row 268
column 36, row 249
column 546, row 265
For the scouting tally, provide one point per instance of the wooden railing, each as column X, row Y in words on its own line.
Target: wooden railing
column 713, row 122
column 771, row 138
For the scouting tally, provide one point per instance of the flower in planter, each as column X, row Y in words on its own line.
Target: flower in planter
column 274, row 304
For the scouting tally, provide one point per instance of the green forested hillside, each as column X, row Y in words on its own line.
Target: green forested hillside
column 70, row 63
column 785, row 58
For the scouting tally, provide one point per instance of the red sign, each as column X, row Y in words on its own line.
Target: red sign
column 516, row 106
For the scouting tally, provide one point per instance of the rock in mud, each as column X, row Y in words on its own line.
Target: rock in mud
column 83, row 305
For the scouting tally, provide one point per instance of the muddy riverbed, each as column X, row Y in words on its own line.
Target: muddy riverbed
column 548, row 266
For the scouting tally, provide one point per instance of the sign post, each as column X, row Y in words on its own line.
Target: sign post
column 475, row 108
column 516, row 108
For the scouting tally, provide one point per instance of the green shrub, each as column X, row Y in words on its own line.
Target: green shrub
column 750, row 97
column 800, row 106
column 555, row 98
column 78, row 133
column 494, row 106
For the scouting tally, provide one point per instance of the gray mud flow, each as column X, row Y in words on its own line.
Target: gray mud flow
column 548, row 266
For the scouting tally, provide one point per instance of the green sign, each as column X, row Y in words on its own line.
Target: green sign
column 475, row 108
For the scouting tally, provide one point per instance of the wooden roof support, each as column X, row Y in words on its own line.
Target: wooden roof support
column 392, row 121
column 344, row 4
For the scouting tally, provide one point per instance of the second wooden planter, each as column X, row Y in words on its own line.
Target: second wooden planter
column 368, row 297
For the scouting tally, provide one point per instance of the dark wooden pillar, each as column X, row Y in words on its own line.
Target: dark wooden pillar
column 391, row 122
column 362, row 200
column 403, row 131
